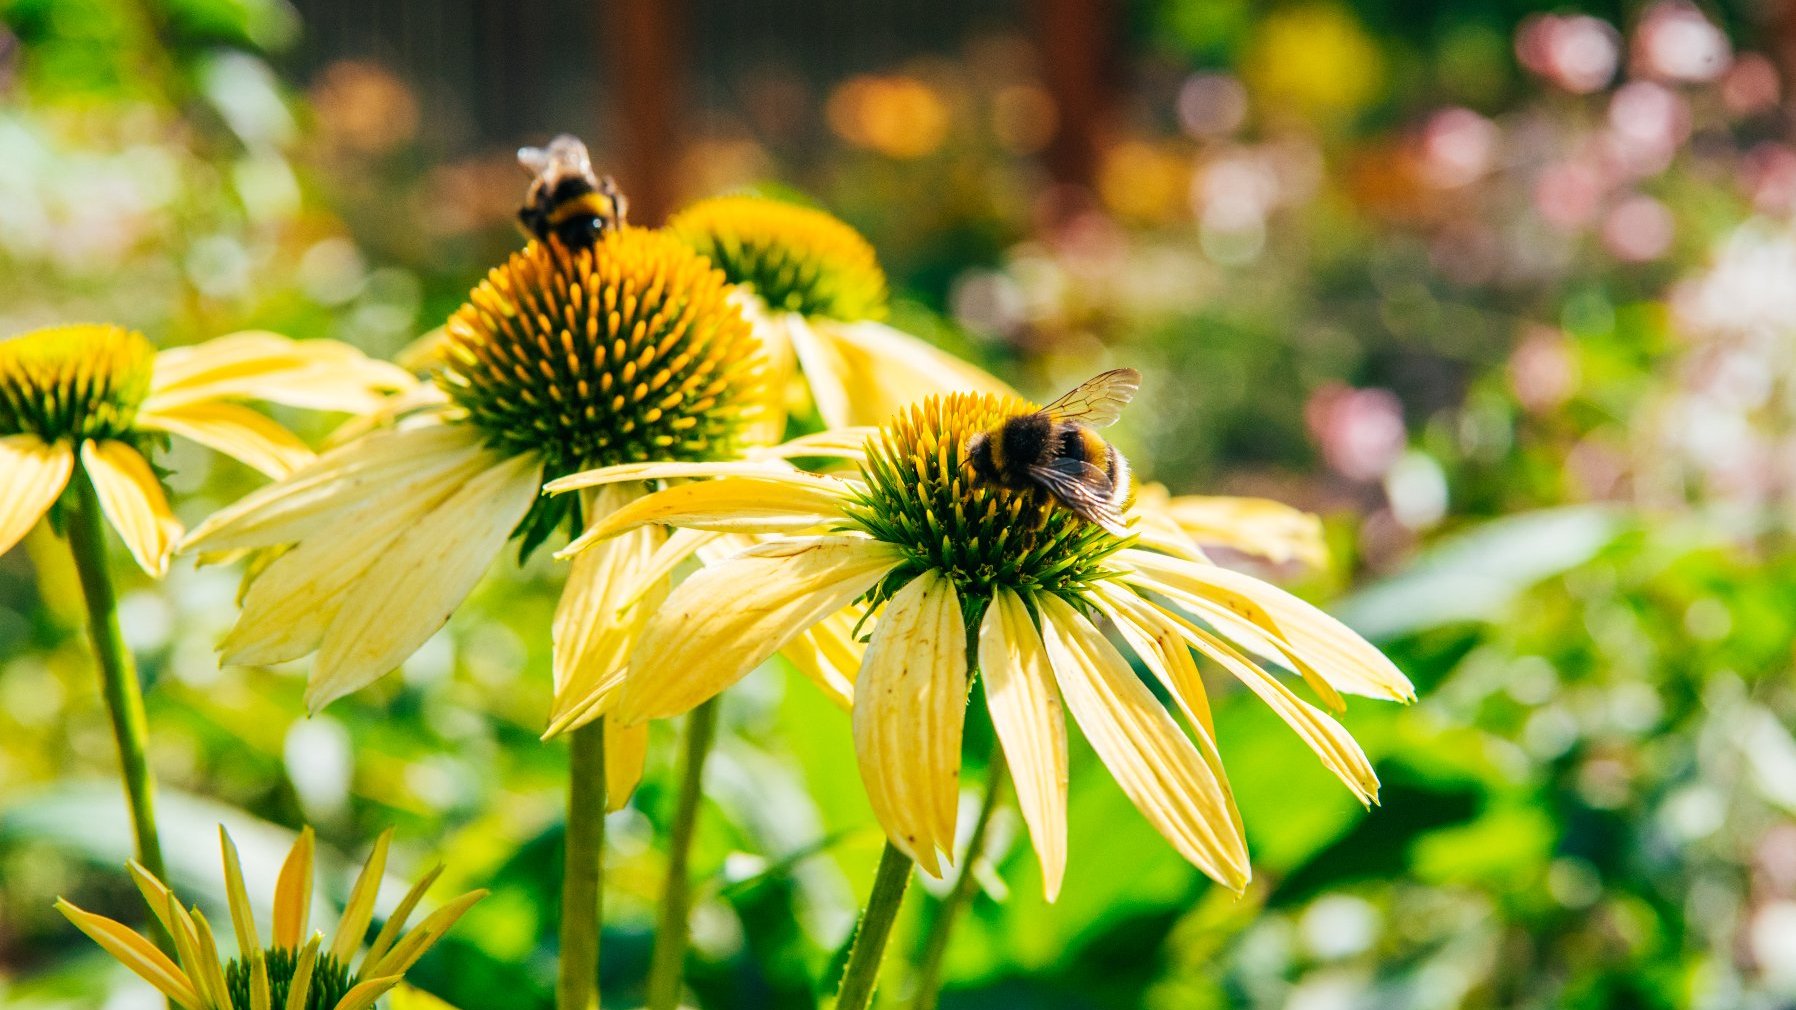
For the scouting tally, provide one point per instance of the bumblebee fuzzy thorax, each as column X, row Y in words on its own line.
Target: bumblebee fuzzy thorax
column 69, row 383
column 925, row 494
column 626, row 352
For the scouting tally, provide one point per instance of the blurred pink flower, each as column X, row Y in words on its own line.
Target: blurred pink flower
column 1751, row 86
column 1648, row 122
column 1212, row 105
column 1457, row 147
column 1768, row 176
column 1638, row 229
column 1578, row 53
column 1568, row 194
column 1675, row 42
column 1543, row 370
column 1360, row 431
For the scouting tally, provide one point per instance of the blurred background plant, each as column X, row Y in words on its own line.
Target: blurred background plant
column 1503, row 292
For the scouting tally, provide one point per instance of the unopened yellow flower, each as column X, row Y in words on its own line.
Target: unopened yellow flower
column 628, row 352
column 296, row 971
column 954, row 565
column 96, row 395
column 814, row 290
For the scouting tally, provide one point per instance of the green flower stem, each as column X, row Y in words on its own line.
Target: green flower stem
column 582, row 899
column 875, row 928
column 667, row 962
column 118, row 671
column 929, row 966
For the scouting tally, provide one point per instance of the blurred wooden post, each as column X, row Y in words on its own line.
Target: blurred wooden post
column 640, row 40
column 1078, row 41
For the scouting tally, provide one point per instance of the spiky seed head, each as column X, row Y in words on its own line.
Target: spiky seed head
column 626, row 352
column 68, row 383
column 331, row 979
column 795, row 258
column 923, row 494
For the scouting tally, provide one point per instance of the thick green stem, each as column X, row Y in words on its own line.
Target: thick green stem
column 582, row 899
column 929, row 966
column 118, row 672
column 667, row 963
column 875, row 928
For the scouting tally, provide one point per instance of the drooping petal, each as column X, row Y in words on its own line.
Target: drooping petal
column 1025, row 708
column 293, row 892
column 317, row 496
column 595, row 627
column 135, row 953
column 830, row 655
column 1259, row 527
column 909, row 709
column 881, row 370
column 1157, row 766
column 771, row 503
column 727, row 619
column 318, row 374
column 628, row 473
column 1339, row 655
column 626, row 752
column 239, row 432
column 287, row 606
column 409, row 593
column 1330, row 741
column 132, row 499
column 33, row 474
column 835, row 443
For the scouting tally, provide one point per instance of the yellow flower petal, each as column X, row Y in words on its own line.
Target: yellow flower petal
column 592, row 631
column 829, row 654
column 210, row 967
column 132, row 499
column 768, row 503
column 293, row 892
column 287, row 606
column 883, row 370
column 135, row 953
column 260, row 996
column 409, row 593
column 909, row 708
column 318, row 374
column 301, row 986
column 728, row 618
column 359, row 911
column 385, row 463
column 626, row 752
column 624, row 473
column 1330, row 741
column 1339, row 655
column 1025, row 708
column 1157, row 766
column 836, row 443
column 155, row 893
column 243, row 917
column 363, row 995
column 1257, row 526
column 408, row 997
column 434, row 927
column 239, row 432
column 32, row 476
column 394, row 927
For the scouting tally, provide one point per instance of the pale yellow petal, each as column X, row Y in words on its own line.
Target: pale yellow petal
column 1330, row 741
column 626, row 752
column 626, row 473
column 829, row 654
column 1158, row 768
column 243, row 917
column 135, row 953
column 1025, row 709
column 435, row 926
column 1339, row 655
column 359, row 911
column 825, row 373
column 155, row 893
column 769, row 503
column 287, row 606
column 253, row 439
column 1257, row 526
column 835, row 443
column 594, row 627
column 363, row 995
column 132, row 499
column 33, row 474
column 909, row 708
column 394, row 927
column 727, row 619
column 318, row 374
column 211, row 967
column 293, row 892
column 409, row 593
column 885, row 370
column 315, row 498
column 302, row 974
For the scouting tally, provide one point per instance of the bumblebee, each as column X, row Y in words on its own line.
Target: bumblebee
column 566, row 199
column 1057, row 450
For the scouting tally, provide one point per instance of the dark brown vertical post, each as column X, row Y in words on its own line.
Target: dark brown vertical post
column 1078, row 40
column 640, row 40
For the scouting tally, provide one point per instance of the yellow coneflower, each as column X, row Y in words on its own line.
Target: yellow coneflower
column 815, row 292
column 955, row 566
column 92, row 398
column 1259, row 528
column 296, row 971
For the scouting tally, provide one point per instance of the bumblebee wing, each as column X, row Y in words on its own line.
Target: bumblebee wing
column 1083, row 488
column 564, row 156
column 1097, row 401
